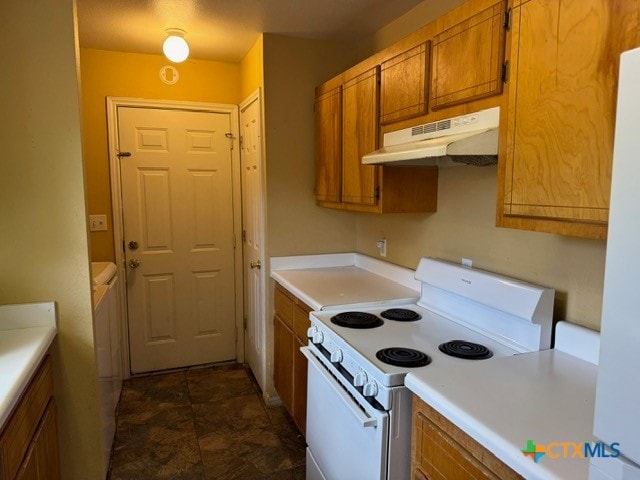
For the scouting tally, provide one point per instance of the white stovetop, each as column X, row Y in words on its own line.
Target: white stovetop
column 423, row 335
column 543, row 396
column 26, row 332
column 330, row 281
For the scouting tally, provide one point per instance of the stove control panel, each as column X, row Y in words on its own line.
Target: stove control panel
column 337, row 356
column 360, row 379
column 370, row 389
column 311, row 331
column 317, row 337
column 350, row 369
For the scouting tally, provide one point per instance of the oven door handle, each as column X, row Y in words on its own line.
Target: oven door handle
column 364, row 420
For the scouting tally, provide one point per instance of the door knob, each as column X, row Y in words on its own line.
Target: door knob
column 133, row 263
column 256, row 264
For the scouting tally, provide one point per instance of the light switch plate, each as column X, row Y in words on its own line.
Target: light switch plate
column 98, row 223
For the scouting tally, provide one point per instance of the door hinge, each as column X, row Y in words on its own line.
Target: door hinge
column 507, row 20
column 234, row 241
column 244, row 322
column 244, row 236
column 504, row 75
column 231, row 137
column 123, row 154
column 377, row 194
column 241, row 141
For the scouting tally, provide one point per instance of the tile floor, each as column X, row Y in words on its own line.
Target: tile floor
column 204, row 423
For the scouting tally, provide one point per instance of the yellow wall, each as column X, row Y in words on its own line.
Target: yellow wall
column 252, row 69
column 44, row 252
column 118, row 74
column 464, row 226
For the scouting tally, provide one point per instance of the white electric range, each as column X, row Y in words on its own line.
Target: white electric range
column 358, row 409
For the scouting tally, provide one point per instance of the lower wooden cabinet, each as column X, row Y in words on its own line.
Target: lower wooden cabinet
column 441, row 451
column 29, row 439
column 290, row 325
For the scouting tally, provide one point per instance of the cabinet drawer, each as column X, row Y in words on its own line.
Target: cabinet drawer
column 24, row 420
column 301, row 322
column 283, row 304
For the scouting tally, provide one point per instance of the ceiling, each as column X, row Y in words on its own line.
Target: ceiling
column 226, row 29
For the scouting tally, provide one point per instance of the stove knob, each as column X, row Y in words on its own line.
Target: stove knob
column 336, row 356
column 360, row 379
column 370, row 389
column 311, row 331
column 317, row 338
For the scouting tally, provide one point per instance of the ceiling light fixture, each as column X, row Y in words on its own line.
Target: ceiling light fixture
column 175, row 47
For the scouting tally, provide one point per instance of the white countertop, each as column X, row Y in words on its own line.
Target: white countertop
column 26, row 332
column 543, row 396
column 365, row 282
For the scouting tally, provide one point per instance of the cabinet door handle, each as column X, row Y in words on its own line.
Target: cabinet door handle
column 256, row 264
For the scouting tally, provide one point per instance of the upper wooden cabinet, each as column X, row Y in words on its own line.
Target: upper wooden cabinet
column 467, row 59
column 559, row 124
column 403, row 90
column 360, row 136
column 328, row 110
column 347, row 117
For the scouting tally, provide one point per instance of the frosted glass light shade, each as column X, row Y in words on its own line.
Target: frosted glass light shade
column 175, row 48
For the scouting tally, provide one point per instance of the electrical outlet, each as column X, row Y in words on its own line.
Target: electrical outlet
column 382, row 246
column 98, row 223
column 467, row 262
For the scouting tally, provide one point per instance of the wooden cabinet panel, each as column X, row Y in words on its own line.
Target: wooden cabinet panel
column 561, row 110
column 21, row 426
column 360, row 136
column 46, row 445
column 403, row 85
column 289, row 364
column 299, row 386
column 467, row 59
column 42, row 459
column 328, row 111
column 441, row 451
column 283, row 304
column 283, row 361
column 301, row 322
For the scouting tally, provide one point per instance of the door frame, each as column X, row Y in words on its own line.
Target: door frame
column 113, row 103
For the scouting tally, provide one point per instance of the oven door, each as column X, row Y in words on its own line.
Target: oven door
column 347, row 438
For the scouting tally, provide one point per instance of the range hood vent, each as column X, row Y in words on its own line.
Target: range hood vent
column 468, row 139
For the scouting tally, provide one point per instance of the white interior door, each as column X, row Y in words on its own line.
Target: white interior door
column 253, row 234
column 177, row 202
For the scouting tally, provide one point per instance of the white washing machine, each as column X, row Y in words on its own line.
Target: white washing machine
column 107, row 308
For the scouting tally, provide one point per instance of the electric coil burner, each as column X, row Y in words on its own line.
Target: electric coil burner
column 403, row 357
column 401, row 315
column 464, row 349
column 356, row 320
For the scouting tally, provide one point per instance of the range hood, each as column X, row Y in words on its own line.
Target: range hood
column 468, row 139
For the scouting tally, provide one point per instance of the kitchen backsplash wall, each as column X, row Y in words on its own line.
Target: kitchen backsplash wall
column 464, row 226
column 293, row 67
